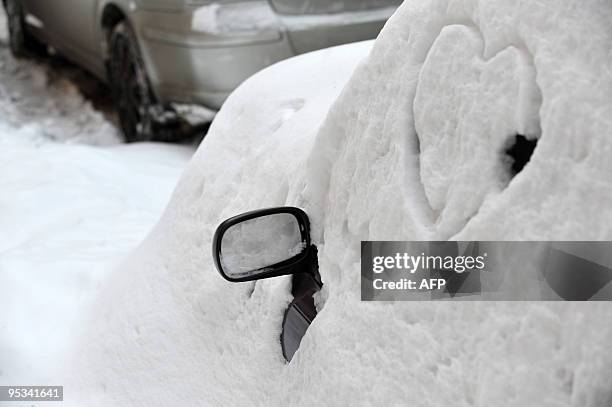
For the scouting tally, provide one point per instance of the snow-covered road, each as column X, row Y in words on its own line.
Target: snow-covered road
column 73, row 202
column 47, row 94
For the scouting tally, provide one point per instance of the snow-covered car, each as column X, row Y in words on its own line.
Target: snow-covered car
column 416, row 145
column 157, row 52
column 275, row 242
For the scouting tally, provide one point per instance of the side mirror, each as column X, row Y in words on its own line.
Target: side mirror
column 262, row 244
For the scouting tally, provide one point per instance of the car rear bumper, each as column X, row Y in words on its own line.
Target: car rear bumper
column 311, row 32
column 191, row 64
column 190, row 59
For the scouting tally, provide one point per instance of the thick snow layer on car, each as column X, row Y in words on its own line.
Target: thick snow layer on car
column 413, row 148
column 238, row 18
column 163, row 327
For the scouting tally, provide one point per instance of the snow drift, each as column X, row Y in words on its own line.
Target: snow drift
column 68, row 211
column 68, row 214
column 413, row 148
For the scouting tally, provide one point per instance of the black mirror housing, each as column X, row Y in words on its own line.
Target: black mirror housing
column 293, row 264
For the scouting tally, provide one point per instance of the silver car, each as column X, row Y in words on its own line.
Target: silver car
column 154, row 53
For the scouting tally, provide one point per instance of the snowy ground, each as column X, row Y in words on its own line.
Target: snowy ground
column 48, row 94
column 70, row 209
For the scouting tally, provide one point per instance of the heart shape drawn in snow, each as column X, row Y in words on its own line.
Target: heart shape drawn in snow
column 467, row 110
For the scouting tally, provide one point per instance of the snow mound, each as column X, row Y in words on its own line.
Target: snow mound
column 68, row 214
column 413, row 148
column 166, row 309
column 452, row 83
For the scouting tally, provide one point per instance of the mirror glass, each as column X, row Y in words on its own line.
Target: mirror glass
column 249, row 247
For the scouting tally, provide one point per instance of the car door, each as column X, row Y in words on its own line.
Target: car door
column 316, row 24
column 71, row 26
column 36, row 17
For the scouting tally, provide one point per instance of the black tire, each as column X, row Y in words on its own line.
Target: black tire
column 22, row 43
column 130, row 86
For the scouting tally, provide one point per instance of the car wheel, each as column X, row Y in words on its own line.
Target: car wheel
column 130, row 86
column 21, row 42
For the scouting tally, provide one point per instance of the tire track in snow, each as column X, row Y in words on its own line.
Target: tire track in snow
column 63, row 102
